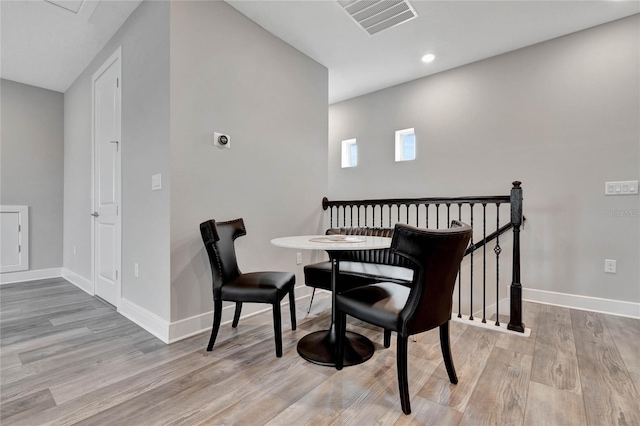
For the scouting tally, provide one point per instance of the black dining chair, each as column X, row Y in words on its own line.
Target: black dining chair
column 229, row 284
column 435, row 256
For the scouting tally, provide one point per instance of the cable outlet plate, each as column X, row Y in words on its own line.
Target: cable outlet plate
column 610, row 266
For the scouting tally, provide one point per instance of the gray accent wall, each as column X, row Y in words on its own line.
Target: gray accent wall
column 145, row 151
column 229, row 75
column 32, row 165
column 561, row 116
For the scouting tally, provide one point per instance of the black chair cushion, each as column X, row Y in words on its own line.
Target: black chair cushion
column 355, row 274
column 265, row 287
column 378, row 304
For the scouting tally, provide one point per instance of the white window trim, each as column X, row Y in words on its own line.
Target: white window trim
column 400, row 134
column 346, row 153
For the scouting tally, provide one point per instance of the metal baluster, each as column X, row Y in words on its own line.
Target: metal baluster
column 417, row 215
column 427, row 206
column 406, row 208
column 459, row 270
column 471, row 283
column 484, row 262
column 497, row 251
column 358, row 215
column 437, row 216
column 448, row 218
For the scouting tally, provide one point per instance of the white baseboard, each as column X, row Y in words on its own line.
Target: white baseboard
column 79, row 281
column 145, row 319
column 583, row 303
column 188, row 327
column 197, row 324
column 37, row 274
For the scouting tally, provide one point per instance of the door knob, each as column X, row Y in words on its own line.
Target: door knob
column 95, row 214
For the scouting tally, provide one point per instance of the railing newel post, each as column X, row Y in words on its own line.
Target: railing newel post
column 497, row 251
column 471, row 262
column 484, row 263
column 515, row 320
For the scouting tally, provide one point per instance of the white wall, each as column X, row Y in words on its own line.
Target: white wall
column 145, row 151
column 32, row 165
column 229, row 75
column 561, row 116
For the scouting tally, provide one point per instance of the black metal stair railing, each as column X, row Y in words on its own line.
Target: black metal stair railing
column 419, row 211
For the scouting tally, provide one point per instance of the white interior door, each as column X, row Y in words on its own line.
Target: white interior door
column 106, row 180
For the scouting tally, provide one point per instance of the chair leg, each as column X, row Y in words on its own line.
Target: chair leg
column 236, row 315
column 446, row 352
column 341, row 329
column 277, row 328
column 313, row 293
column 292, row 308
column 387, row 338
column 217, row 316
column 403, row 381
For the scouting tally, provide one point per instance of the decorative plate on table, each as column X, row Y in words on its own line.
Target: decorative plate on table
column 338, row 239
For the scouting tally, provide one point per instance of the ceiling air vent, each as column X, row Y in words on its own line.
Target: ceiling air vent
column 70, row 5
column 374, row 16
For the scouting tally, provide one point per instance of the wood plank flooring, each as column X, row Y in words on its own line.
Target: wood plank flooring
column 68, row 358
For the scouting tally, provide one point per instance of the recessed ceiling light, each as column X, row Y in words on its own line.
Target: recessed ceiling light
column 429, row 57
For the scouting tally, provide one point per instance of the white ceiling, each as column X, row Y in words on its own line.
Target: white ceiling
column 457, row 32
column 48, row 46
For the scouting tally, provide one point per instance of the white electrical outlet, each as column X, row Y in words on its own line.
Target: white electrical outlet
column 135, row 270
column 298, row 258
column 610, row 266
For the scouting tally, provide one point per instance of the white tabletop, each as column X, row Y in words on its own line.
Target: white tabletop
column 304, row 242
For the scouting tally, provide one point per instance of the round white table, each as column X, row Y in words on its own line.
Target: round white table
column 320, row 347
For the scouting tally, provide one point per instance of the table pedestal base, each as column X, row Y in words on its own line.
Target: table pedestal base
column 320, row 348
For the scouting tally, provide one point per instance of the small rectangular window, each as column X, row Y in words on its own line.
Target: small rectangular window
column 405, row 145
column 349, row 153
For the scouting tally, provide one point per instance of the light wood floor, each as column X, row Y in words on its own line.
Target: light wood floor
column 68, row 358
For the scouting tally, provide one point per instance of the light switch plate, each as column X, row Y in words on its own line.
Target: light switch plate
column 156, row 182
column 628, row 187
